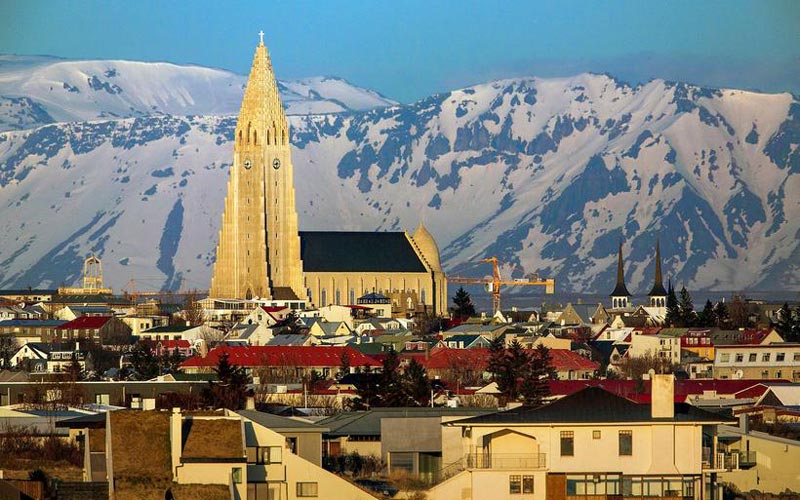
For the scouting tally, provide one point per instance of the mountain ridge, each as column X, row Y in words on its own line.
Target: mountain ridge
column 555, row 172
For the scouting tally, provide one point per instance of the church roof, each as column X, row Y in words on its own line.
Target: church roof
column 358, row 251
column 658, row 282
column 620, row 290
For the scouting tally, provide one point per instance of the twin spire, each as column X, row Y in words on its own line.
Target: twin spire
column 620, row 295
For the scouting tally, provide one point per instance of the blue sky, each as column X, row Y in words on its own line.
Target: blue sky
column 410, row 49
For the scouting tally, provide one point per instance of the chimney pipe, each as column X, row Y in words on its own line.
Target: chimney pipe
column 663, row 396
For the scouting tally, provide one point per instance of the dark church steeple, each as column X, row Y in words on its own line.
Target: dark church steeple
column 658, row 296
column 620, row 295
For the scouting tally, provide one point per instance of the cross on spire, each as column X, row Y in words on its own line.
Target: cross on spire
column 261, row 36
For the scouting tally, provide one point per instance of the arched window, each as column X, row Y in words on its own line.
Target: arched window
column 423, row 296
column 255, row 137
column 249, row 294
column 248, row 133
column 240, row 137
column 338, row 296
column 409, row 303
column 323, row 298
column 352, row 296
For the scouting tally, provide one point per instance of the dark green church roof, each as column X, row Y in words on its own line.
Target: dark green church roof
column 358, row 251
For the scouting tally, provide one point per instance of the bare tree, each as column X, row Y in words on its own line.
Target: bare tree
column 193, row 310
column 635, row 367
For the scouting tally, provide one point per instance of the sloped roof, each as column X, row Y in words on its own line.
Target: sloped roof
column 564, row 360
column 591, row 405
column 218, row 438
column 280, row 424
column 368, row 423
column 85, row 322
column 33, row 323
column 358, row 251
column 309, row 356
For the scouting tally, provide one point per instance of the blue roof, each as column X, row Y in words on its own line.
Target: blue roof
column 32, row 322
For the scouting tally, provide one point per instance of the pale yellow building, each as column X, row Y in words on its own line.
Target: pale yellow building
column 261, row 253
column 591, row 444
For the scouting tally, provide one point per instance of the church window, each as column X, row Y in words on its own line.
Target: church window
column 352, row 296
column 248, row 133
column 338, row 297
column 255, row 137
column 424, row 296
column 323, row 301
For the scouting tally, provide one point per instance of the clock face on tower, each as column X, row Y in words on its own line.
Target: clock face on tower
column 276, row 164
column 247, row 164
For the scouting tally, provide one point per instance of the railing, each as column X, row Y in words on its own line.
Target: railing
column 505, row 461
column 732, row 460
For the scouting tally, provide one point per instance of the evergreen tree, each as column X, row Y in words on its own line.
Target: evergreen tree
column 721, row 314
column 535, row 387
column 788, row 323
column 708, row 316
column 344, row 365
column 417, row 387
column 229, row 391
column 673, row 315
column 686, row 313
column 390, row 389
column 463, row 304
column 497, row 353
column 517, row 361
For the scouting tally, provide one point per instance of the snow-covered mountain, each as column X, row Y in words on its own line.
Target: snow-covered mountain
column 546, row 174
column 40, row 90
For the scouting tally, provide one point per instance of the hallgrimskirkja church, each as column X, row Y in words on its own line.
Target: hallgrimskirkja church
column 261, row 254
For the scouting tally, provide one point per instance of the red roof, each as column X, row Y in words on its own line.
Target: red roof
column 174, row 344
column 85, row 322
column 273, row 309
column 565, row 360
column 304, row 356
column 562, row 359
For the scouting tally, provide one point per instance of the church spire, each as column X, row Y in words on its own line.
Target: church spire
column 658, row 290
column 619, row 296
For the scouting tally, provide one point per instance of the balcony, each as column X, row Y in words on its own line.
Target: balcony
column 505, row 461
column 728, row 460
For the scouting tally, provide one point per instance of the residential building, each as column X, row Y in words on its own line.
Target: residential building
column 30, row 330
column 104, row 329
column 139, row 324
column 589, row 443
column 183, row 332
column 762, row 361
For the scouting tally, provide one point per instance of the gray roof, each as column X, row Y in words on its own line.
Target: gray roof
column 33, row 323
column 358, row 251
column 592, row 405
column 368, row 423
column 280, row 424
column 288, row 339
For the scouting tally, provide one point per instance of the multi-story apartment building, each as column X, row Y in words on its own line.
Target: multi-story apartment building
column 591, row 444
column 771, row 361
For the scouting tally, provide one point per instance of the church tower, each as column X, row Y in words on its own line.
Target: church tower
column 258, row 253
column 657, row 295
column 620, row 296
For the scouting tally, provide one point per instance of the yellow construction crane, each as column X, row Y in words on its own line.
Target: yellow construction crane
column 494, row 283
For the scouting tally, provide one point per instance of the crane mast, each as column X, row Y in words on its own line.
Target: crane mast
column 494, row 283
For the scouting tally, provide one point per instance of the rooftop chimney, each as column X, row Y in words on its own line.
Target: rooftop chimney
column 663, row 396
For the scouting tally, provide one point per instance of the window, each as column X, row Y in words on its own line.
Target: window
column 739, row 357
column 752, row 357
column 307, row 489
column 264, row 455
column 236, row 475
column 567, row 443
column 796, row 357
column 527, row 484
column 625, row 443
column 724, row 357
column 765, row 357
column 595, row 434
column 780, row 357
column 514, row 485
column 291, row 443
column 401, row 461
